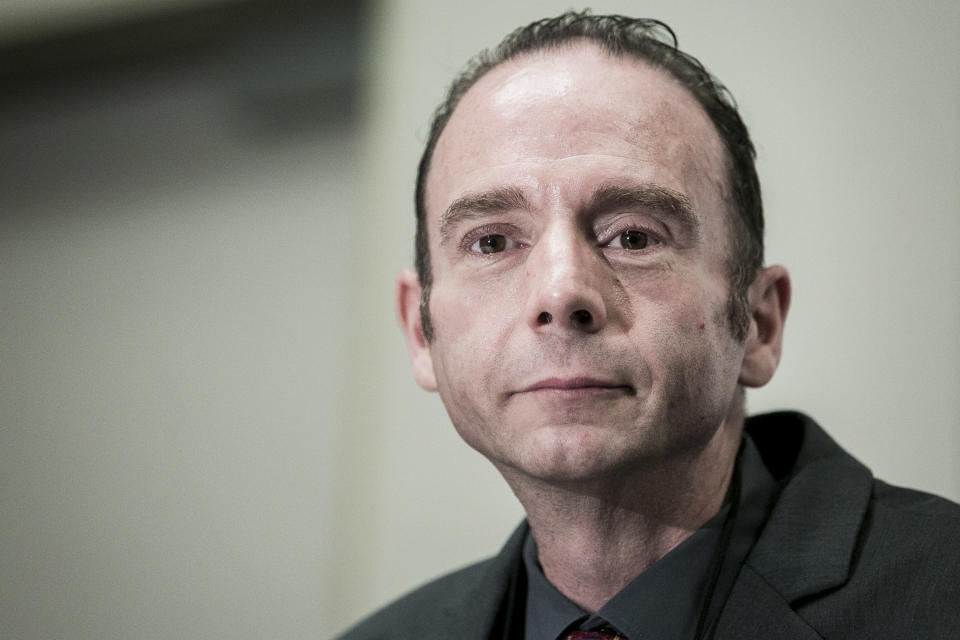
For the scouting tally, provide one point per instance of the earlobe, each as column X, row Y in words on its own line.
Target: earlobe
column 408, row 315
column 769, row 298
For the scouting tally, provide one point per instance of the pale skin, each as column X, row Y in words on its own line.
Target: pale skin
column 578, row 236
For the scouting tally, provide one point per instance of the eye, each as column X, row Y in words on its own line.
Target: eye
column 493, row 243
column 634, row 240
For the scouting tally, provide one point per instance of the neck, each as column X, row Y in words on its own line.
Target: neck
column 594, row 538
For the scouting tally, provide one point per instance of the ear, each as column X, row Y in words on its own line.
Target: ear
column 769, row 298
column 408, row 315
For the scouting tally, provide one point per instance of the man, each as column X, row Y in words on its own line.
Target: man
column 590, row 303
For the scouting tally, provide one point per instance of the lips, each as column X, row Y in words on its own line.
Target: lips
column 576, row 386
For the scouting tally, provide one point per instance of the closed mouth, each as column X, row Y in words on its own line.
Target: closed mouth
column 580, row 385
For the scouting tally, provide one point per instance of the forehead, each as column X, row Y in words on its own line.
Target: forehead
column 543, row 118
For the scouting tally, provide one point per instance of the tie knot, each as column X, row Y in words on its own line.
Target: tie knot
column 593, row 635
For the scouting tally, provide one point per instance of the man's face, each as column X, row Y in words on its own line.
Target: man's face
column 578, row 241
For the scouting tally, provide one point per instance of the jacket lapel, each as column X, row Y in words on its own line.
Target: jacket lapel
column 755, row 610
column 809, row 541
column 808, row 544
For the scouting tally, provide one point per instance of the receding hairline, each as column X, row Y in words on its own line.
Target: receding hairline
column 720, row 154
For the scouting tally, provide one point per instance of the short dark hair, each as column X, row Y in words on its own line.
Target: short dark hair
column 655, row 43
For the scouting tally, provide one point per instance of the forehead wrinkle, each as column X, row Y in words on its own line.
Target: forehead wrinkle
column 472, row 205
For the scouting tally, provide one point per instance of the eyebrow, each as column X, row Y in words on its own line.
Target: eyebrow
column 474, row 205
column 612, row 197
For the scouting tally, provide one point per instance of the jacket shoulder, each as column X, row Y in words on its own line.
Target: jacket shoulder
column 419, row 613
column 907, row 503
column 905, row 575
column 852, row 556
column 465, row 603
column 910, row 528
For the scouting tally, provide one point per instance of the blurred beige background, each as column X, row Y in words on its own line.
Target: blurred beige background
column 207, row 423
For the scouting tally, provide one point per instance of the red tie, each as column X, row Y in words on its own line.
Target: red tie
column 593, row 635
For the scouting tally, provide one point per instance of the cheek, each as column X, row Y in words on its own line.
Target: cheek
column 671, row 306
column 476, row 312
column 459, row 371
column 470, row 350
column 685, row 324
column 712, row 370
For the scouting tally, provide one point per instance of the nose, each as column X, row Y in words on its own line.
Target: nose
column 567, row 285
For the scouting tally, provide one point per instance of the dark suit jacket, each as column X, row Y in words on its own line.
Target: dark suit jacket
column 841, row 556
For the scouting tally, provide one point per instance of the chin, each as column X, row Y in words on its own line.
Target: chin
column 568, row 453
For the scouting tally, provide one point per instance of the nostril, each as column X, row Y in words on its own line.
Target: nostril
column 581, row 316
column 544, row 318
